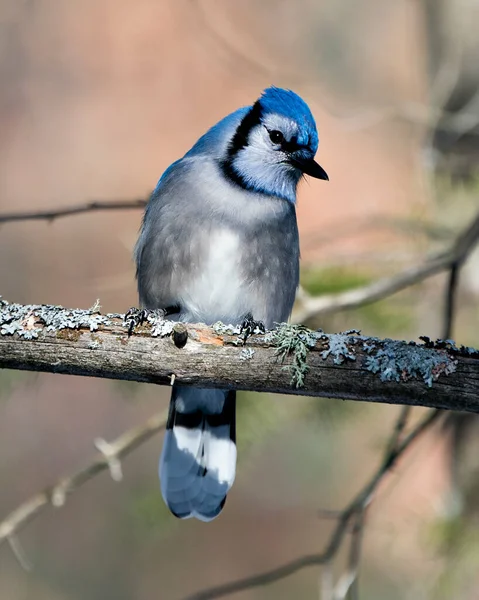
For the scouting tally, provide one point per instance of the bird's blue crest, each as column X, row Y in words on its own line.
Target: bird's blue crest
column 290, row 105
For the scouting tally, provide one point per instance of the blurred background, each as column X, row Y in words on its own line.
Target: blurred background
column 97, row 98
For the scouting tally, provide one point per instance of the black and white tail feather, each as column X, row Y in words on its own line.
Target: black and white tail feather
column 198, row 462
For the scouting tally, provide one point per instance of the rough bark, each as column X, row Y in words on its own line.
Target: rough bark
column 292, row 360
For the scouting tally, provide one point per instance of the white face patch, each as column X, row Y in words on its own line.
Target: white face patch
column 265, row 167
column 288, row 127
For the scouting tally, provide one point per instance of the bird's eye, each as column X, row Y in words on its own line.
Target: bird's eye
column 276, row 136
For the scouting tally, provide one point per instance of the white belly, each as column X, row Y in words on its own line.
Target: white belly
column 217, row 292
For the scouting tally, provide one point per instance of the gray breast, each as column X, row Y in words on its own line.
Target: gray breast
column 218, row 251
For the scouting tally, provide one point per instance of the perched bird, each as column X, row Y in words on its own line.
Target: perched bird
column 219, row 242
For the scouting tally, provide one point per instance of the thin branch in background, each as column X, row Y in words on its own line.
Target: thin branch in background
column 311, row 307
column 348, row 585
column 360, row 502
column 449, row 304
column 76, row 209
column 355, row 554
column 326, row 582
column 19, row 553
column 339, row 230
column 464, row 245
column 454, row 421
column 56, row 495
column 399, row 428
column 314, row 306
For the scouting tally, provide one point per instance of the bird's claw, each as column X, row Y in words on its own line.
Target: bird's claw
column 249, row 326
column 137, row 316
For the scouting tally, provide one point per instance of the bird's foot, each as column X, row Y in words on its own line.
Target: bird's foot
column 137, row 316
column 249, row 326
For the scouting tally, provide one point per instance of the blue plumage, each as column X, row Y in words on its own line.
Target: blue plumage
column 290, row 105
column 215, row 140
column 219, row 242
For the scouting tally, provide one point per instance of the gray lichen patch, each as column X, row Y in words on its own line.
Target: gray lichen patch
column 397, row 361
column 338, row 347
column 223, row 329
column 160, row 327
column 391, row 360
column 246, row 354
column 24, row 320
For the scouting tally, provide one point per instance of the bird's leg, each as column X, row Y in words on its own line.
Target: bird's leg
column 137, row 316
column 250, row 326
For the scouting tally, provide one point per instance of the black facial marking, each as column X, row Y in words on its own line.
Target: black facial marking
column 291, row 145
column 278, row 138
column 250, row 120
column 239, row 141
column 230, row 173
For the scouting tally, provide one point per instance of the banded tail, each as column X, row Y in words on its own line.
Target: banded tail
column 198, row 461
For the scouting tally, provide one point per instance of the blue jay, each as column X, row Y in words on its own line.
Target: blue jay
column 219, row 242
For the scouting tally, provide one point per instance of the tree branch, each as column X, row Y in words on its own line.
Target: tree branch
column 56, row 494
column 289, row 360
column 76, row 209
column 465, row 242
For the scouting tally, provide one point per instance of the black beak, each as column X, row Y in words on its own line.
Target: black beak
column 310, row 167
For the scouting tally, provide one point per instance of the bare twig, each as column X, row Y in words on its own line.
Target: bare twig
column 465, row 242
column 449, row 303
column 360, row 501
column 326, row 582
column 355, row 554
column 76, row 209
column 312, row 306
column 19, row 553
column 56, row 495
column 348, row 585
column 463, row 246
column 399, row 428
